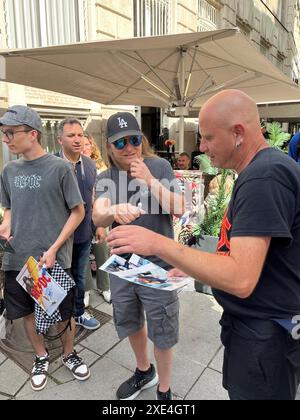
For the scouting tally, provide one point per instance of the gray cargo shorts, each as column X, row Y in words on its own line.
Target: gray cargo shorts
column 161, row 307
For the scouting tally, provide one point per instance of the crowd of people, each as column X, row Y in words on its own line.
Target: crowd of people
column 127, row 207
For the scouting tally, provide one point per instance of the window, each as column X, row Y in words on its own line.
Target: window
column 207, row 16
column 39, row 23
column 151, row 17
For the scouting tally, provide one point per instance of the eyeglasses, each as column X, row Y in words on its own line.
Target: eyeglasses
column 135, row 141
column 10, row 133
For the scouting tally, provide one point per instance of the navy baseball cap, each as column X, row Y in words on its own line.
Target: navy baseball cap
column 22, row 115
column 120, row 125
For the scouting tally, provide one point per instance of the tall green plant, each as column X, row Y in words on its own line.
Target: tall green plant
column 215, row 208
column 276, row 137
column 216, row 204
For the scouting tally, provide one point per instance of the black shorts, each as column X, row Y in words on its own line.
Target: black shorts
column 18, row 303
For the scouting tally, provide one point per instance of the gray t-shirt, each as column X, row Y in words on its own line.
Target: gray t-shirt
column 40, row 194
column 119, row 188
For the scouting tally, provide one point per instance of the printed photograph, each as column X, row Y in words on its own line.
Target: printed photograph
column 143, row 272
column 41, row 286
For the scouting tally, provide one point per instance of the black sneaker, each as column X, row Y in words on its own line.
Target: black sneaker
column 160, row 396
column 130, row 389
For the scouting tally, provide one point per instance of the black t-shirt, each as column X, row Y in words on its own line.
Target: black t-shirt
column 266, row 202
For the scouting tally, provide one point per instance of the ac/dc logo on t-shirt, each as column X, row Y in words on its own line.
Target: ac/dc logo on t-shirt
column 223, row 247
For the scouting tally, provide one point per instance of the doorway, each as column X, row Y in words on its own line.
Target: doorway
column 150, row 118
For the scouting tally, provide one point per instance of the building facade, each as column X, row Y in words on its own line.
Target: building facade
column 272, row 26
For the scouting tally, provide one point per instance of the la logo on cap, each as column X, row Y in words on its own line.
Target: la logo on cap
column 122, row 122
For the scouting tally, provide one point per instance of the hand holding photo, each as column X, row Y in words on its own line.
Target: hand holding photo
column 143, row 272
column 41, row 286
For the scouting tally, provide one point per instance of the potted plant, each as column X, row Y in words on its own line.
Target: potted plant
column 206, row 233
column 276, row 137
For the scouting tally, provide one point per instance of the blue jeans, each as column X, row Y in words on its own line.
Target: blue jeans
column 80, row 258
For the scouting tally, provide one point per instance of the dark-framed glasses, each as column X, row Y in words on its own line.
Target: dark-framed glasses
column 11, row 133
column 135, row 141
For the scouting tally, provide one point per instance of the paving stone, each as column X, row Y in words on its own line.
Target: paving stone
column 101, row 340
column 12, row 377
column 217, row 362
column 199, row 346
column 62, row 375
column 199, row 311
column 123, row 355
column 28, row 390
column 95, row 299
column 4, row 397
column 105, row 307
column 185, row 373
column 2, row 358
column 102, row 385
column 55, row 365
column 112, row 360
column 89, row 357
column 150, row 395
column 208, row 387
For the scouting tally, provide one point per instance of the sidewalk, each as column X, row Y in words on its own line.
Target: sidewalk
column 197, row 365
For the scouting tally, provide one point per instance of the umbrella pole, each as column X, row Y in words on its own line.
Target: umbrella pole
column 182, row 90
column 181, row 134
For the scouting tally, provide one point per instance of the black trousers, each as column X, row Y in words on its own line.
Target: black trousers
column 261, row 359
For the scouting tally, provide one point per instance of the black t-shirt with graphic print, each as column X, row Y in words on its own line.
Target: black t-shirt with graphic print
column 266, row 203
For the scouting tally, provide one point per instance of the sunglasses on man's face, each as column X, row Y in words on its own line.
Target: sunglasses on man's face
column 135, row 141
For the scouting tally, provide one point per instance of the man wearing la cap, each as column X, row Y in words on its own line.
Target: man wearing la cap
column 43, row 207
column 126, row 193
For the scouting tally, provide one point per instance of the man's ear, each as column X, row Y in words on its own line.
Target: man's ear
column 59, row 140
column 239, row 140
column 34, row 134
column 238, row 132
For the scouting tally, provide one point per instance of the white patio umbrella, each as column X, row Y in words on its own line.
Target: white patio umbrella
column 172, row 71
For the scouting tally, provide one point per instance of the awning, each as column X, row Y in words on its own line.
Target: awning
column 172, row 71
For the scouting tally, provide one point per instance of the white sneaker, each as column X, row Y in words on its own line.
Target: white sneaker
column 75, row 364
column 86, row 299
column 39, row 373
column 107, row 296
